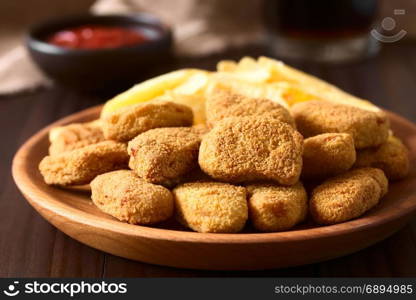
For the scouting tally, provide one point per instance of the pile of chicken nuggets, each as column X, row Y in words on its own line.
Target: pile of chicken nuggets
column 249, row 164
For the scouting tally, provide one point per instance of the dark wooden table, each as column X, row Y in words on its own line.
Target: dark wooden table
column 31, row 247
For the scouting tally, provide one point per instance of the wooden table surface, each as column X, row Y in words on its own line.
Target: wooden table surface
column 31, row 247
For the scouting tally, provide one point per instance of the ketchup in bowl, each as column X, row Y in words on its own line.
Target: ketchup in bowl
column 96, row 37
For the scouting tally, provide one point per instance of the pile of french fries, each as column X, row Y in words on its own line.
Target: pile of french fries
column 261, row 78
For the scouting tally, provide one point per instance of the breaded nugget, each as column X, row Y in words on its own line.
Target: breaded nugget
column 252, row 149
column 74, row 136
column 163, row 155
column 276, row 208
column 80, row 166
column 126, row 123
column 347, row 196
column 368, row 128
column 327, row 155
column 222, row 102
column 392, row 157
column 211, row 206
column 125, row 196
column 377, row 174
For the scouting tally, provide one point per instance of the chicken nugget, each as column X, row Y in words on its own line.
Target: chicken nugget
column 125, row 196
column 80, row 166
column 327, row 155
column 392, row 157
column 222, row 102
column 163, row 155
column 74, row 136
column 126, row 123
column 377, row 174
column 252, row 149
column 368, row 128
column 211, row 206
column 347, row 196
column 276, row 208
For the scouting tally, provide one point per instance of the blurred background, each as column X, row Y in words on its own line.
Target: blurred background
column 297, row 31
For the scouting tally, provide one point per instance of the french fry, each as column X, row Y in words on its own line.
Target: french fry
column 191, row 93
column 261, row 78
column 302, row 84
column 250, row 89
column 148, row 90
column 196, row 102
column 195, row 84
column 226, row 66
column 246, row 69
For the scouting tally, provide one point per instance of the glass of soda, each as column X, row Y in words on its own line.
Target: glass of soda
column 321, row 30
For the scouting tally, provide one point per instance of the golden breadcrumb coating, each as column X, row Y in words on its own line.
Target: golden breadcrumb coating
column 276, row 208
column 80, row 166
column 377, row 174
column 74, row 136
column 125, row 196
column 368, row 128
column 347, row 196
column 251, row 149
column 327, row 155
column 392, row 157
column 211, row 206
column 164, row 155
column 126, row 123
column 222, row 102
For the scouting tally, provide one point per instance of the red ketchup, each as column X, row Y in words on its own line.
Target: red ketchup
column 96, row 37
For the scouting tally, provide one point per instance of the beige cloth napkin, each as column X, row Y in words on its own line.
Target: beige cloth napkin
column 18, row 72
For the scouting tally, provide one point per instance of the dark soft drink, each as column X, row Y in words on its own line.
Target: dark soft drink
column 321, row 18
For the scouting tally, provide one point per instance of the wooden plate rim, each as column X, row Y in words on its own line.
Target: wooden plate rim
column 45, row 201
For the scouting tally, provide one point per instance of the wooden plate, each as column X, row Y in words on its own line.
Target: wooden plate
column 73, row 213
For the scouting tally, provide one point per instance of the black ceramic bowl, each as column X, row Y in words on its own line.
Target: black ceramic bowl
column 100, row 69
